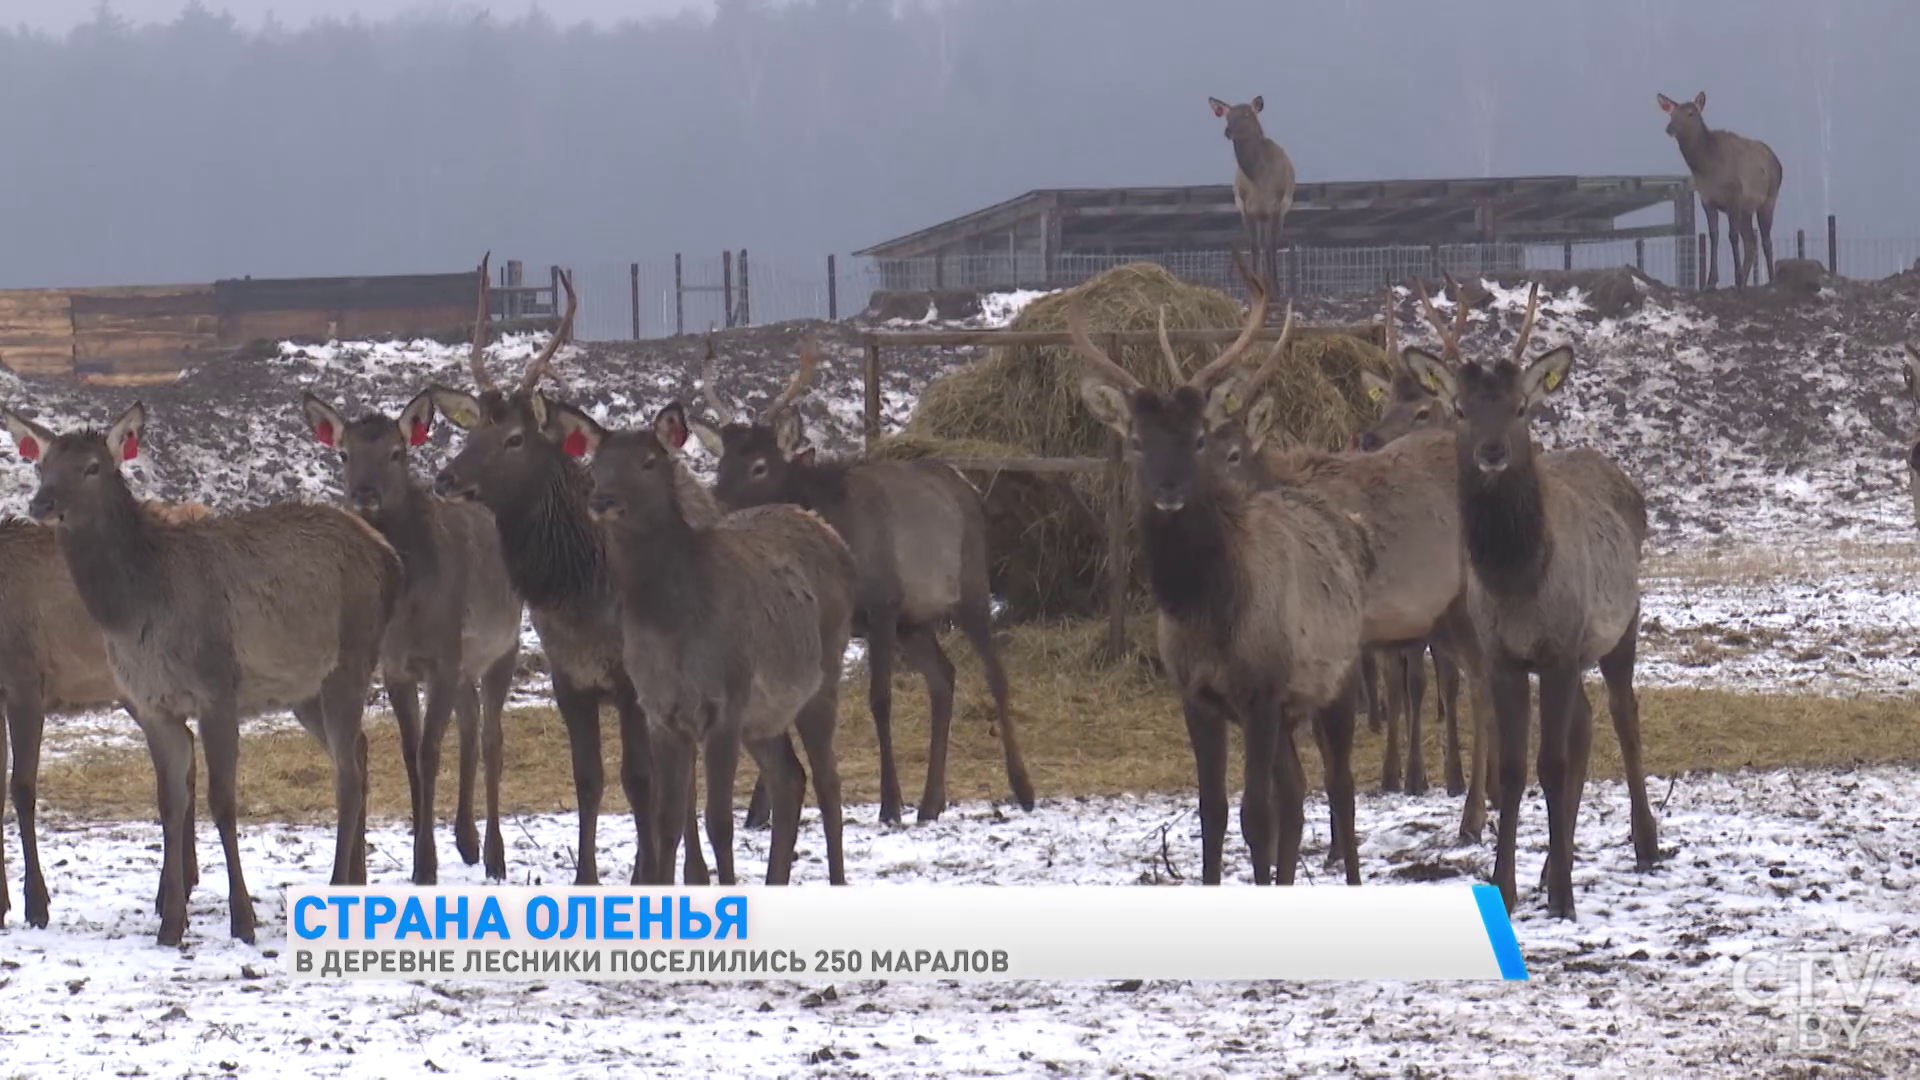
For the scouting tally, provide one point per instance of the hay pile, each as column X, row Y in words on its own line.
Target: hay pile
column 1048, row 530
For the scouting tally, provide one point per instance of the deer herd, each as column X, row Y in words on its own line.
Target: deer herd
column 716, row 620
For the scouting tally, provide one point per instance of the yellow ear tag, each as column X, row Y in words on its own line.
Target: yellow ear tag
column 466, row 418
column 1374, row 393
column 1231, row 402
column 1553, row 380
column 1431, row 383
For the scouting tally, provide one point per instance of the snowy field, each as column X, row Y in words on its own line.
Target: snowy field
column 1782, row 561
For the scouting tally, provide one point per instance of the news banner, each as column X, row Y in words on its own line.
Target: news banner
column 904, row 932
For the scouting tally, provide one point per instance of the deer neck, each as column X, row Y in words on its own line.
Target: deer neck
column 1191, row 558
column 412, row 528
column 661, row 569
column 1505, row 523
column 1250, row 154
column 116, row 563
column 553, row 549
column 1696, row 149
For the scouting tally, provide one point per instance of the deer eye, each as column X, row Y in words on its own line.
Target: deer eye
column 1520, row 411
column 1422, row 414
column 1133, row 442
column 514, row 441
column 93, row 468
column 395, row 455
column 1233, row 456
column 758, row 469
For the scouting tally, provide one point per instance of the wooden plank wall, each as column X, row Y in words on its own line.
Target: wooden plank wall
column 36, row 331
column 142, row 333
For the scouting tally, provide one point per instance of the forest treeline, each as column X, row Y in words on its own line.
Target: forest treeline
column 200, row 148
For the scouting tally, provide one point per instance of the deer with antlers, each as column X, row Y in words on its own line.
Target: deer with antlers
column 1553, row 541
column 514, row 463
column 919, row 536
column 1260, row 594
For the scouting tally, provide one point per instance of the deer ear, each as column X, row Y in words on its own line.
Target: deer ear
column 1430, row 372
column 1219, row 107
column 1225, row 400
column 788, row 431
column 416, row 420
column 579, row 435
column 670, row 426
column 1259, row 423
column 1666, row 103
column 1376, row 387
column 1545, row 375
column 1108, row 404
column 461, row 410
column 1259, row 102
column 30, row 438
column 324, row 419
column 708, row 437
column 804, row 457
column 1910, row 371
column 1700, row 100
column 542, row 409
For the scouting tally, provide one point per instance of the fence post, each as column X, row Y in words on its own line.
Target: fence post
column 515, row 303
column 833, row 293
column 1700, row 262
column 633, row 273
column 679, row 301
column 726, row 285
column 1833, row 247
column 553, row 282
column 871, row 410
column 746, row 307
column 1640, row 254
column 1799, row 243
column 1116, row 538
column 1566, row 255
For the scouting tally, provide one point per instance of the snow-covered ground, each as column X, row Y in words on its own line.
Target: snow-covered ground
column 1644, row 983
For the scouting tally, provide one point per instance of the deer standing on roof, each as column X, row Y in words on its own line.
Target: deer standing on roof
column 513, row 463
column 1736, row 176
column 1554, row 542
column 735, row 629
column 221, row 618
column 458, row 621
column 919, row 536
column 1260, row 598
column 1262, row 182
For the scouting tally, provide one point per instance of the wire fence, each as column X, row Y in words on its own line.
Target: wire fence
column 690, row 293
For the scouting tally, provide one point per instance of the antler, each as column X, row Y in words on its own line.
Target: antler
column 1102, row 365
column 1392, row 329
column 543, row 364
column 1526, row 324
column 1275, row 354
column 1449, row 340
column 477, row 355
column 1256, row 318
column 1166, row 351
column 809, row 359
column 724, row 411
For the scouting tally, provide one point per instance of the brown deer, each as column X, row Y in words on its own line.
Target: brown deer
column 222, row 618
column 734, row 630
column 513, row 463
column 919, row 536
column 1735, row 176
column 1554, row 543
column 1260, row 597
column 1910, row 376
column 1262, row 181
column 458, row 621
column 53, row 660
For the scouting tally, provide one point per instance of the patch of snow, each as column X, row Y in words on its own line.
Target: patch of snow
column 999, row 309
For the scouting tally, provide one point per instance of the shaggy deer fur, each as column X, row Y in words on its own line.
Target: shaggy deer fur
column 734, row 631
column 221, row 618
column 919, row 535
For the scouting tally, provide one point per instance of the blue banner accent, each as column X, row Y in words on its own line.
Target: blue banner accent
column 1506, row 947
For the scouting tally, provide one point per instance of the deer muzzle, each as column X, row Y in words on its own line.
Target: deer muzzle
column 43, row 508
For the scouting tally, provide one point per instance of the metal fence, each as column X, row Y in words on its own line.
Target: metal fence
column 691, row 292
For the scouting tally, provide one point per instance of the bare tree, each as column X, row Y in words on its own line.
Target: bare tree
column 1735, row 176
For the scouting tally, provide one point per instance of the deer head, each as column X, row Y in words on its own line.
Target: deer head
column 634, row 472
column 1243, row 121
column 1684, row 118
column 756, row 454
column 1405, row 404
column 1166, row 432
column 80, row 470
column 373, row 450
column 1491, row 402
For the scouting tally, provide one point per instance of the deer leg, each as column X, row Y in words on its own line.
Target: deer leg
column 171, row 752
column 6, row 903
column 882, row 626
column 1480, row 704
column 1616, row 667
column 1261, row 728
column 1446, row 692
column 1290, row 792
column 722, row 754
column 1749, row 252
column 1413, row 665
column 921, row 649
column 976, row 622
column 580, row 710
column 1207, row 732
column 1334, row 855
column 785, row 781
column 1335, row 724
column 466, row 713
column 1765, row 216
column 220, row 731
column 343, row 699
column 191, row 856
column 1579, row 756
column 672, row 753
column 403, row 696
column 26, row 724
column 1713, row 248
column 1511, row 698
column 433, row 733
column 1393, row 687
column 816, row 723
column 1558, row 716
column 1370, row 692
column 494, row 687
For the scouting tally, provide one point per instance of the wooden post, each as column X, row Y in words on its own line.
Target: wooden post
column 1833, row 247
column 1799, row 243
column 833, row 293
column 1640, row 254
column 872, row 408
column 1566, row 255
column 633, row 273
column 746, row 307
column 1117, row 576
column 1701, row 273
column 514, row 273
column 726, row 284
column 553, row 282
column 679, row 299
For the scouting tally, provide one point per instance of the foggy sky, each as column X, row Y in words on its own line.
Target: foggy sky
column 59, row 16
column 197, row 148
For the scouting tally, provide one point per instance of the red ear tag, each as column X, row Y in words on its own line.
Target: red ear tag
column 679, row 436
column 29, row 448
column 418, row 435
column 575, row 444
column 131, row 448
column 324, row 432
